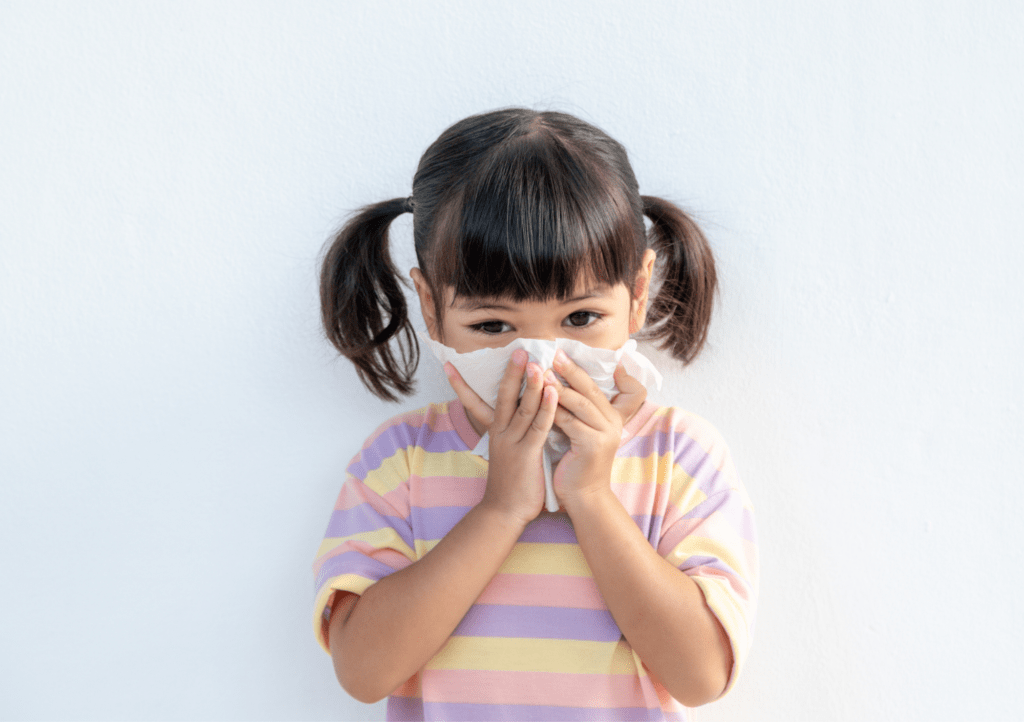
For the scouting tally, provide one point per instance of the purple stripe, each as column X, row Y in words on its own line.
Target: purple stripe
column 730, row 506
column 711, row 563
column 364, row 518
column 465, row 712
column 657, row 442
column 434, row 522
column 406, row 709
column 696, row 462
column 690, row 456
column 351, row 563
column 650, row 525
column 501, row 620
column 550, row 529
column 402, row 436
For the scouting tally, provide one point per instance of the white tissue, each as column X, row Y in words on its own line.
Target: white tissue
column 483, row 370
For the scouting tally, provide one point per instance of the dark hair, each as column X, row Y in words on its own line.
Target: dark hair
column 515, row 204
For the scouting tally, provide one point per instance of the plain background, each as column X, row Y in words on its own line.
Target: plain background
column 174, row 430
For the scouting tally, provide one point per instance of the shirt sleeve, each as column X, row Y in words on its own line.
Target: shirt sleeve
column 709, row 532
column 369, row 535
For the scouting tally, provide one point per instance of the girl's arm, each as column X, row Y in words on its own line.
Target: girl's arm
column 660, row 610
column 382, row 638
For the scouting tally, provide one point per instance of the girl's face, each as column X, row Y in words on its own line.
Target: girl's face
column 600, row 316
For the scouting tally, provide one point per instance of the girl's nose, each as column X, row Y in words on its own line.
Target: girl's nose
column 543, row 336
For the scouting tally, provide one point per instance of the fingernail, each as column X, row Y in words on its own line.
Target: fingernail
column 549, row 376
column 449, row 370
column 560, row 357
column 519, row 357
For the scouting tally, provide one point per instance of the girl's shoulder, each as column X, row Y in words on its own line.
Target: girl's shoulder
column 401, row 446
column 435, row 427
column 689, row 438
column 679, row 425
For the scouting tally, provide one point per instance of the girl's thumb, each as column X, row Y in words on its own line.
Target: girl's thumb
column 631, row 396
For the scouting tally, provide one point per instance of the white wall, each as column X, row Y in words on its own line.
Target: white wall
column 173, row 429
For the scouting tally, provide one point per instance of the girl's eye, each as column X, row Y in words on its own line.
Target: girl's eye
column 582, row 318
column 490, row 327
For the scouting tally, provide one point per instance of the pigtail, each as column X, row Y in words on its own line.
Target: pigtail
column 680, row 314
column 362, row 304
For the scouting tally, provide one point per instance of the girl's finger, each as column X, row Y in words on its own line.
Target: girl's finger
column 581, row 382
column 544, row 419
column 508, row 389
column 582, row 408
column 529, row 403
column 631, row 396
column 563, row 416
column 473, row 404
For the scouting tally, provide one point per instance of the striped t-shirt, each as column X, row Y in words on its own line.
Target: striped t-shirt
column 540, row 643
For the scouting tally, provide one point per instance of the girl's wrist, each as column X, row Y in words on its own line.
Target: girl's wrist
column 503, row 516
column 585, row 503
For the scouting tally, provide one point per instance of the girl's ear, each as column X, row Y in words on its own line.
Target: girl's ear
column 426, row 303
column 641, row 292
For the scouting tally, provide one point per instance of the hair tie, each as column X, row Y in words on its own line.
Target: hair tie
column 409, row 206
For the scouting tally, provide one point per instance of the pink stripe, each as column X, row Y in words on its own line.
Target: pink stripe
column 670, row 538
column 542, row 590
column 643, row 415
column 457, row 414
column 409, row 688
column 352, row 494
column 431, row 491
column 398, row 499
column 716, row 527
column 440, row 420
column 706, row 436
column 640, row 498
column 740, row 589
column 541, row 688
column 395, row 560
column 319, row 562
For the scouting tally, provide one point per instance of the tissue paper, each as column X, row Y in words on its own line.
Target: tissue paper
column 482, row 371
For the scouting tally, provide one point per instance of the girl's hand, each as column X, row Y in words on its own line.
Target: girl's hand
column 593, row 425
column 518, row 428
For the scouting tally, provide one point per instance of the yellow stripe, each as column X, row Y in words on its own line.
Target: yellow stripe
column 533, row 558
column 328, row 545
column 685, row 493
column 449, row 463
column 396, row 469
column 500, row 654
column 540, row 558
column 701, row 546
column 425, row 545
column 343, row 582
column 391, row 474
column 643, row 469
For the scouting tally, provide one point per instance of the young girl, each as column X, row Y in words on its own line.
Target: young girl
column 442, row 583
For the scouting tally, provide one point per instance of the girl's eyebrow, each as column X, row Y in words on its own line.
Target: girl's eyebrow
column 485, row 304
column 477, row 306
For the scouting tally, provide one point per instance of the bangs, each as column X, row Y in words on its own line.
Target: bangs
column 534, row 220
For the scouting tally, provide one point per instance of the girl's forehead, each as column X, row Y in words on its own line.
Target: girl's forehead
column 582, row 292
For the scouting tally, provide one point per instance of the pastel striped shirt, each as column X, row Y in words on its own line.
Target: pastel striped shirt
column 540, row 643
